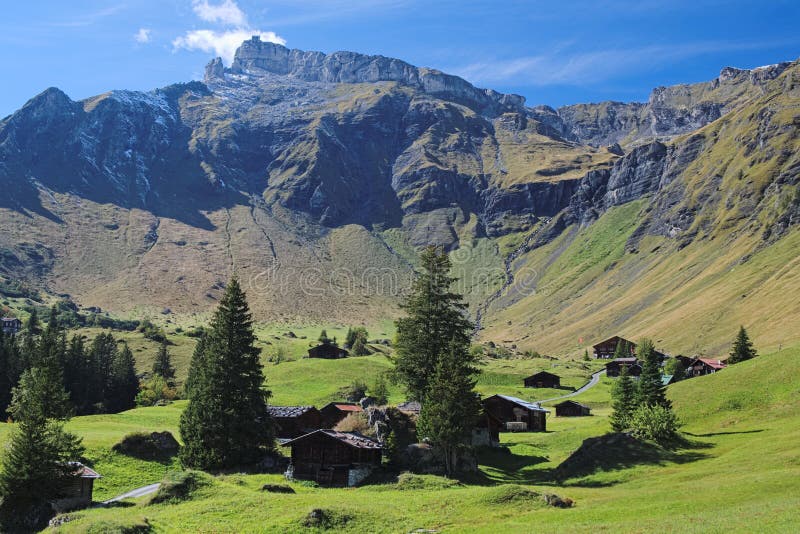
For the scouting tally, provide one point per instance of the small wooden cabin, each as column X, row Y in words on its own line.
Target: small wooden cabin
column 515, row 414
column 11, row 325
column 78, row 493
column 333, row 458
column 327, row 351
column 614, row 367
column 333, row 412
column 605, row 350
column 705, row 366
column 543, row 379
column 570, row 408
column 294, row 421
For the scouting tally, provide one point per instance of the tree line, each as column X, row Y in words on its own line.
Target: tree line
column 99, row 377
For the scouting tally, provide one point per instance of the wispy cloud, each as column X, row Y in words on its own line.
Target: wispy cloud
column 228, row 12
column 87, row 19
column 223, row 44
column 143, row 35
column 564, row 67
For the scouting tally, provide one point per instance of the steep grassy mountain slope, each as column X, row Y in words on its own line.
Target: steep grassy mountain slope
column 694, row 238
column 316, row 177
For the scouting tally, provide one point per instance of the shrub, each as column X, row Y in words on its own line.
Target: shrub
column 277, row 488
column 179, row 486
column 355, row 422
column 656, row 423
column 325, row 519
column 148, row 446
column 155, row 391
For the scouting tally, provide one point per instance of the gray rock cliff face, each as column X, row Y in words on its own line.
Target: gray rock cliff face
column 669, row 111
column 256, row 57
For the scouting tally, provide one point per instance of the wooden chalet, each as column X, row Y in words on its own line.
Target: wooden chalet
column 327, row 351
column 78, row 493
column 333, row 458
column 685, row 360
column 516, row 415
column 705, row 366
column 605, row 350
column 333, row 412
column 570, row 408
column 543, row 379
column 294, row 421
column 614, row 367
column 10, row 325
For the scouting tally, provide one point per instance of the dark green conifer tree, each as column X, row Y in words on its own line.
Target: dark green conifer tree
column 162, row 366
column 451, row 407
column 435, row 324
column 651, row 389
column 36, row 465
column 226, row 422
column 742, row 348
column 624, row 403
column 123, row 383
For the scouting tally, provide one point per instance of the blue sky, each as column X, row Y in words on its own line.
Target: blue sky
column 553, row 53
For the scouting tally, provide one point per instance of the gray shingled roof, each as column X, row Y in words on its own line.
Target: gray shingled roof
column 288, row 411
column 525, row 404
column 354, row 439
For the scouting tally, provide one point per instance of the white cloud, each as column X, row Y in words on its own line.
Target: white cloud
column 561, row 67
column 143, row 35
column 223, row 44
column 225, row 13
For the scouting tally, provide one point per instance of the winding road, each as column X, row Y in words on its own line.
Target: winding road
column 588, row 385
column 133, row 494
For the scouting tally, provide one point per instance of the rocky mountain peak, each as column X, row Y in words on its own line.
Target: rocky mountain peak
column 257, row 58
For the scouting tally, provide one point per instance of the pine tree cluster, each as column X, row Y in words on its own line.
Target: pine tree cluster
column 100, row 378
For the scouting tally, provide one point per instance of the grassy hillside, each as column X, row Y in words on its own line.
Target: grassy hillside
column 737, row 473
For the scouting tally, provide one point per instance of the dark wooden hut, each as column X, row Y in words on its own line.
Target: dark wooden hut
column 327, row 351
column 333, row 458
column 78, row 493
column 614, row 367
column 515, row 414
column 543, row 379
column 294, row 421
column 11, row 325
column 570, row 408
column 606, row 349
column 705, row 366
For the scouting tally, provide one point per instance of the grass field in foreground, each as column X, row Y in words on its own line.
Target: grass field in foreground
column 739, row 472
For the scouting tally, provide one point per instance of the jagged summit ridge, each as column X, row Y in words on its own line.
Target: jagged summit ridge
column 261, row 58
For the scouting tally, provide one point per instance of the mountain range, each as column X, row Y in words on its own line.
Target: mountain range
column 315, row 177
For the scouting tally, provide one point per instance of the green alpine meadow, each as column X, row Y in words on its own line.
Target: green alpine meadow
column 399, row 267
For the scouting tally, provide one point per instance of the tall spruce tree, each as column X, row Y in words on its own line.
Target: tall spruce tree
column 742, row 348
column 162, row 366
column 226, row 422
column 196, row 365
column 451, row 407
column 651, row 390
column 36, row 466
column 624, row 403
column 123, row 385
column 435, row 324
